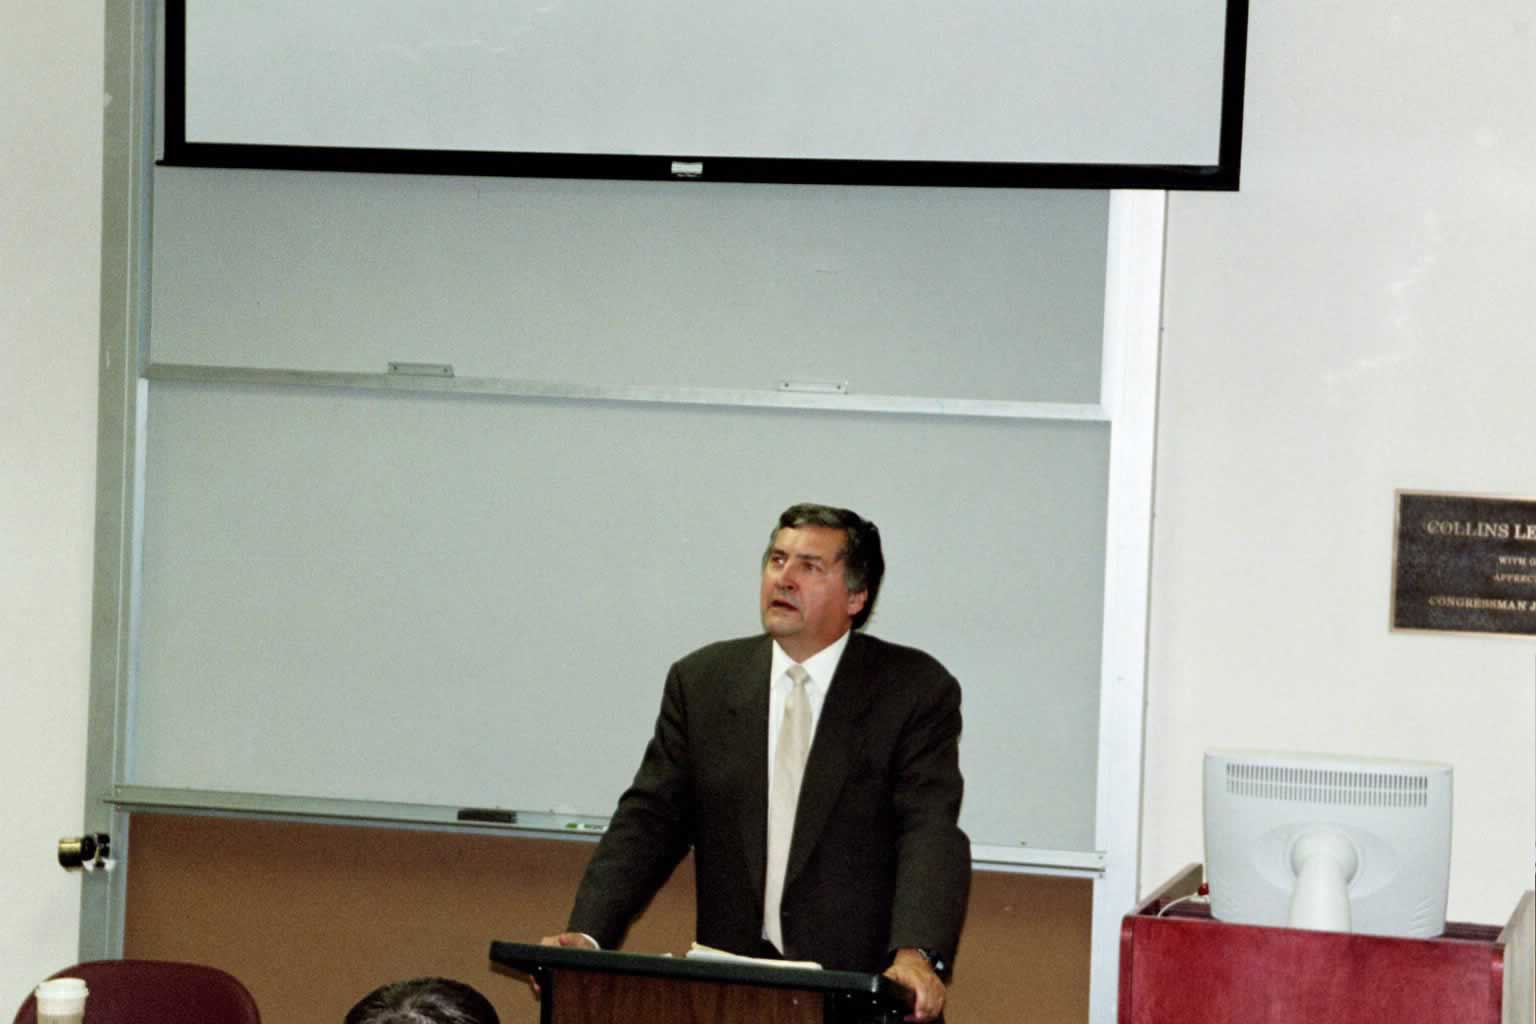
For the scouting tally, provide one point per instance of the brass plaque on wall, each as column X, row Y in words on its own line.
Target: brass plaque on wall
column 1464, row 564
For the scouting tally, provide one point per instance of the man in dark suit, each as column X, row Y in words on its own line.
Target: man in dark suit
column 848, row 855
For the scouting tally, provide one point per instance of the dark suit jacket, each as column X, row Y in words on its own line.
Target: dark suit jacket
column 877, row 861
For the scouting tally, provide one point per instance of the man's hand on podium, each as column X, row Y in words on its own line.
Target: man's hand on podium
column 574, row 940
column 911, row 968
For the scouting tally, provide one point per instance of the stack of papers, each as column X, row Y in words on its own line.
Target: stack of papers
column 698, row 952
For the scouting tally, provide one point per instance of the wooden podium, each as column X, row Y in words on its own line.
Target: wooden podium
column 581, row 986
column 1178, row 964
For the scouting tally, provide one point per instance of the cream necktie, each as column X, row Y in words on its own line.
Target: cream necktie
column 789, row 755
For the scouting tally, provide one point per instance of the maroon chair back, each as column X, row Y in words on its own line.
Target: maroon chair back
column 156, row 992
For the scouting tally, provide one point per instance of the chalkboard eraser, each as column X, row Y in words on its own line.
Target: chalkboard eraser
column 815, row 387
column 420, row 369
column 488, row 816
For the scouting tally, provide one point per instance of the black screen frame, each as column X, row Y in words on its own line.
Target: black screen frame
column 1224, row 175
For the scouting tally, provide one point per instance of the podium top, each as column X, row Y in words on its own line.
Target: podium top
column 529, row 957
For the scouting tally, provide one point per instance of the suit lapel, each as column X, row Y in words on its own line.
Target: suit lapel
column 837, row 741
column 748, row 706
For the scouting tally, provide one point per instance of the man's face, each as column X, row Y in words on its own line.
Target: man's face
column 805, row 601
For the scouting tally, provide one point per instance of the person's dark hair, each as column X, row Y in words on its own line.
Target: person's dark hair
column 863, row 561
column 423, row 1001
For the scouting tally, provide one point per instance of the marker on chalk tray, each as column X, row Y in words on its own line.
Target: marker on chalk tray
column 488, row 816
column 585, row 826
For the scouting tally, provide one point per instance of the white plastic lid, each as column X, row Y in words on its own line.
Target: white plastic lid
column 62, row 995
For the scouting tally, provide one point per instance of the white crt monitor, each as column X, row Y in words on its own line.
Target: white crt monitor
column 1329, row 843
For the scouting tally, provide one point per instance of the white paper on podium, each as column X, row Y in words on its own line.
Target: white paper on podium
column 698, row 952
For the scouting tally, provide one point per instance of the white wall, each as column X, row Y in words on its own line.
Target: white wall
column 50, row 246
column 1356, row 319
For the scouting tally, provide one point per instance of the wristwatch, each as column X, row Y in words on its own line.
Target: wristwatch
column 935, row 960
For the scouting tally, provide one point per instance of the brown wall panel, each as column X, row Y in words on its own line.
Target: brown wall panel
column 313, row 916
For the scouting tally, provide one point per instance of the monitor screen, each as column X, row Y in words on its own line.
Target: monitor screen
column 1325, row 842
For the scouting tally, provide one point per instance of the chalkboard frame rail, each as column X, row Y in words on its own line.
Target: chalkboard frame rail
column 527, row 388
column 527, row 824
